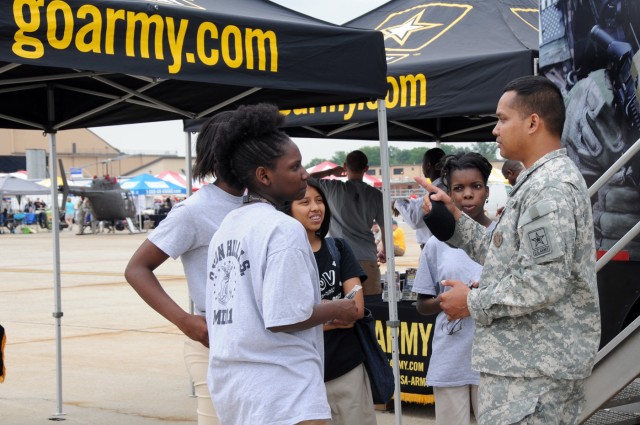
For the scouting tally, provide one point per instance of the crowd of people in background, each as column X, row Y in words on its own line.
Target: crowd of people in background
column 271, row 338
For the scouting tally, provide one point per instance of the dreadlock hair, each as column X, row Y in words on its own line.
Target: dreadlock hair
column 248, row 139
column 464, row 161
column 210, row 132
column 326, row 221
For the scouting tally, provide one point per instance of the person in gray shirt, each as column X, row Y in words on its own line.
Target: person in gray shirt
column 536, row 308
column 355, row 206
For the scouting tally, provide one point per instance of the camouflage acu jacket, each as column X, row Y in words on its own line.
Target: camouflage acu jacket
column 536, row 309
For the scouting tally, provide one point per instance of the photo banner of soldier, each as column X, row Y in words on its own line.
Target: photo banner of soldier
column 593, row 58
column 447, row 64
column 592, row 52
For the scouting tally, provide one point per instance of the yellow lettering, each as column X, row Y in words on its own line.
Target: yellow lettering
column 145, row 23
column 26, row 46
column 176, row 43
column 373, row 105
column 409, row 338
column 227, row 33
column 419, row 381
column 351, row 109
column 113, row 16
column 412, row 87
column 300, row 111
column 261, row 39
column 212, row 30
column 88, row 36
column 381, row 337
column 393, row 93
column 67, row 21
column 425, row 332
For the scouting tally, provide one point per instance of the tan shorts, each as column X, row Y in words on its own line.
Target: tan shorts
column 371, row 286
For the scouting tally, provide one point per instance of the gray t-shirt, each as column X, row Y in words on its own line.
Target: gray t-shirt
column 262, row 273
column 354, row 206
column 450, row 363
column 187, row 231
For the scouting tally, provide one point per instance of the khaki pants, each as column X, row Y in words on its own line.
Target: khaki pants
column 196, row 358
column 350, row 398
column 371, row 286
column 453, row 404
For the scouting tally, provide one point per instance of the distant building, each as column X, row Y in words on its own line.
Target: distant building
column 82, row 149
column 401, row 177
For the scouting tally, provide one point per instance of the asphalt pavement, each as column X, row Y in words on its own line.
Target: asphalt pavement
column 122, row 362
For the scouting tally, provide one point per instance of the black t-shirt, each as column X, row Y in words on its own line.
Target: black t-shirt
column 342, row 350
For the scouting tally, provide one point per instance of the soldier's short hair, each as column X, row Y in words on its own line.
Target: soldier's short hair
column 539, row 95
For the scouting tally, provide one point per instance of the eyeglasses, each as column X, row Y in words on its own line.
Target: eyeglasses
column 450, row 328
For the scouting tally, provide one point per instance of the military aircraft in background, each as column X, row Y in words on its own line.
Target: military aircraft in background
column 109, row 202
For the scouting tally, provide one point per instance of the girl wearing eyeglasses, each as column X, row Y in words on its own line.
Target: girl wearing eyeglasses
column 455, row 384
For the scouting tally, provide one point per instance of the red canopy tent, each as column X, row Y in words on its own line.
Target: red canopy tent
column 179, row 179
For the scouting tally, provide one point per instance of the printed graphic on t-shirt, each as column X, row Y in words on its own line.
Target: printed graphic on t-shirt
column 227, row 268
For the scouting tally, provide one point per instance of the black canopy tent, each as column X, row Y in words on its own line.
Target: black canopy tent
column 447, row 64
column 87, row 63
column 119, row 62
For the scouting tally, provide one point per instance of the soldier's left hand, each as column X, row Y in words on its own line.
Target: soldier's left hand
column 454, row 301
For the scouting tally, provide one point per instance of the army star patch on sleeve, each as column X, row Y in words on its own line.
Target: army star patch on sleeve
column 539, row 242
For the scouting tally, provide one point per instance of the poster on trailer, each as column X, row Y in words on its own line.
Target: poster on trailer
column 590, row 49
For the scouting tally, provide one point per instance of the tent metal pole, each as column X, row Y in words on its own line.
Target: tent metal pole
column 55, row 223
column 393, row 322
column 188, row 160
column 187, row 171
column 57, row 313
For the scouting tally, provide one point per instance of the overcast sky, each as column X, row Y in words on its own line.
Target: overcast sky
column 168, row 137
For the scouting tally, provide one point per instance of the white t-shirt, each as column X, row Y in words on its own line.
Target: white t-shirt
column 413, row 214
column 262, row 273
column 450, row 363
column 187, row 231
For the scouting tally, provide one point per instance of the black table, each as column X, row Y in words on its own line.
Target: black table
column 414, row 344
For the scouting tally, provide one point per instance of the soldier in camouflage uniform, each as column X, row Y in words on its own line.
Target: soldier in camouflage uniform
column 536, row 307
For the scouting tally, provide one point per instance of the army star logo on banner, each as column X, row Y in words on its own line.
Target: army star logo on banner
column 529, row 16
column 408, row 31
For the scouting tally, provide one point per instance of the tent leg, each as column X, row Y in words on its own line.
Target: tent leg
column 188, row 178
column 188, row 160
column 55, row 223
column 393, row 322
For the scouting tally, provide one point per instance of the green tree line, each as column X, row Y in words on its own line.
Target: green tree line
column 399, row 156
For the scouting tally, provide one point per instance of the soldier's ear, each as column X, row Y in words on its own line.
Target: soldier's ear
column 534, row 122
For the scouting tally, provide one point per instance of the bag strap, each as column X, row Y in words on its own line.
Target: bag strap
column 333, row 249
